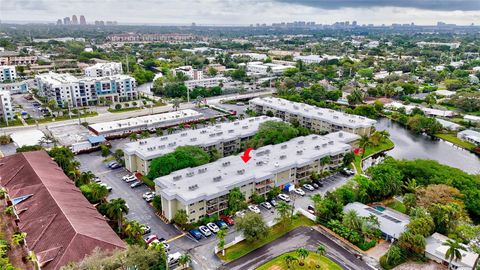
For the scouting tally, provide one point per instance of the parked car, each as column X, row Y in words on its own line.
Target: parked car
column 173, row 259
column 115, row 166
column 229, row 220
column 130, row 178
column 320, row 184
column 308, row 187
column 273, row 202
column 284, row 197
column 136, row 184
column 149, row 239
column 111, row 163
column 348, row 172
column 147, row 194
column 205, row 231
column 299, row 191
column 213, row 227
column 221, row 224
column 109, row 188
column 266, row 205
column 196, row 234
column 311, row 209
column 240, row 213
column 254, row 208
column 146, row 229
column 149, row 198
column 315, row 185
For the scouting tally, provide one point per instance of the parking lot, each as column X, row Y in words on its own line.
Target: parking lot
column 27, row 106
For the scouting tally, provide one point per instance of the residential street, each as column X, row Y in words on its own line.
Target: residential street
column 300, row 237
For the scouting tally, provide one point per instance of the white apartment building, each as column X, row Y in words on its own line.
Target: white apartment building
column 203, row 191
column 226, row 138
column 104, row 69
column 77, row 92
column 253, row 56
column 8, row 73
column 317, row 119
column 189, row 71
column 261, row 68
column 206, row 82
column 120, row 128
column 6, row 109
column 15, row 87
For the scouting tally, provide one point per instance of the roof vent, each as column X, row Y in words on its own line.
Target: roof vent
column 203, row 131
column 245, row 127
column 217, row 178
column 193, row 139
column 202, row 170
column 177, row 177
column 225, row 164
column 330, row 142
column 236, row 123
column 284, row 146
column 163, row 138
column 190, row 174
column 242, row 171
column 231, row 131
column 315, row 137
column 276, row 164
column 299, row 152
column 340, row 134
column 161, row 146
column 317, row 147
column 259, row 163
column 251, row 120
column 301, row 142
column 283, row 157
column 219, row 133
column 193, row 187
column 184, row 134
column 211, row 135
column 172, row 144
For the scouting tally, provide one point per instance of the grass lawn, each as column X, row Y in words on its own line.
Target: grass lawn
column 387, row 144
column 396, row 205
column 49, row 119
column 453, row 139
column 311, row 262
column 123, row 109
column 244, row 247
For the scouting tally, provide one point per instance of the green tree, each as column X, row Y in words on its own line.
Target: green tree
column 453, row 252
column 236, row 200
column 94, row 192
column 182, row 157
column 157, row 203
column 105, row 150
column 321, row 250
column 115, row 209
column 253, row 227
column 184, row 260
column 289, row 260
column 284, row 213
column 352, row 220
column 133, row 137
column 221, row 240
column 145, row 134
column 303, row 254
column 134, row 230
column 181, row 218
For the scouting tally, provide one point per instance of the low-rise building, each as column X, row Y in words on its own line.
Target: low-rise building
column 78, row 92
column 253, row 56
column 203, row 191
column 317, row 119
column 261, row 68
column 472, row 118
column 8, row 73
column 15, row 87
column 392, row 224
column 6, row 108
column 205, row 82
column 226, row 138
column 150, row 122
column 189, row 71
column 61, row 226
column 470, row 136
column 104, row 69
column 436, row 250
column 14, row 58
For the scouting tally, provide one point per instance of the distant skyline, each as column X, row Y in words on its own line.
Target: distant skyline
column 245, row 12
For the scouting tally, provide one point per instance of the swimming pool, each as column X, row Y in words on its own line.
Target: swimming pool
column 379, row 208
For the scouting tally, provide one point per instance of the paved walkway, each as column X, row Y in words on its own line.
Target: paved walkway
column 300, row 237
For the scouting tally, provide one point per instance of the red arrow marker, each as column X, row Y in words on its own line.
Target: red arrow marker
column 246, row 155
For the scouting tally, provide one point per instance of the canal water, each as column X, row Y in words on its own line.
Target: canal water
column 412, row 146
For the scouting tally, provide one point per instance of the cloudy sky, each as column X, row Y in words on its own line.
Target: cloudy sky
column 242, row 12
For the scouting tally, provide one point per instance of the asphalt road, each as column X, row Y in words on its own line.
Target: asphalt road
column 301, row 237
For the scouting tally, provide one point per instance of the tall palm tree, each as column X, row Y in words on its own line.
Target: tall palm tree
column 324, row 161
column 289, row 260
column 115, row 209
column 352, row 220
column 321, row 250
column 170, row 130
column 99, row 193
column 134, row 230
column 364, row 143
column 133, row 137
column 284, row 212
column 454, row 251
column 303, row 254
column 184, row 260
column 221, row 240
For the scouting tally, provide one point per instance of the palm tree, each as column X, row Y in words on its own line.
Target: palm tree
column 364, row 143
column 321, row 250
column 145, row 134
column 289, row 260
column 176, row 104
column 454, row 251
column 221, row 240
column 18, row 238
column 411, row 185
column 199, row 101
column 99, row 193
column 115, row 209
column 184, row 260
column 170, row 130
column 324, row 161
column 352, row 220
column 134, row 230
column 213, row 121
column 302, row 253
column 384, row 134
column 3, row 193
column 159, row 132
column 133, row 137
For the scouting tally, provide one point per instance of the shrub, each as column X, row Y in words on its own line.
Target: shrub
column 394, row 256
column 118, row 106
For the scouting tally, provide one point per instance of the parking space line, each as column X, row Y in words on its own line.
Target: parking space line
column 101, row 173
column 176, row 237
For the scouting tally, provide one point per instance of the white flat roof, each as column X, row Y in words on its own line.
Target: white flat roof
column 27, row 137
column 150, row 148
column 146, row 121
column 65, row 78
column 217, row 178
column 308, row 111
column 435, row 247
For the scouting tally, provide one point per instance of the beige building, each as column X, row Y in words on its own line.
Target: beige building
column 203, row 191
column 319, row 120
column 226, row 138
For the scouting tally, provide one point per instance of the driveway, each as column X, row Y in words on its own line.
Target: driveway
column 301, row 237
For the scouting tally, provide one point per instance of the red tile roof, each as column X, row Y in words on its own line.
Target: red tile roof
column 61, row 225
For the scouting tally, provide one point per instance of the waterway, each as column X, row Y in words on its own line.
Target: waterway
column 413, row 146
